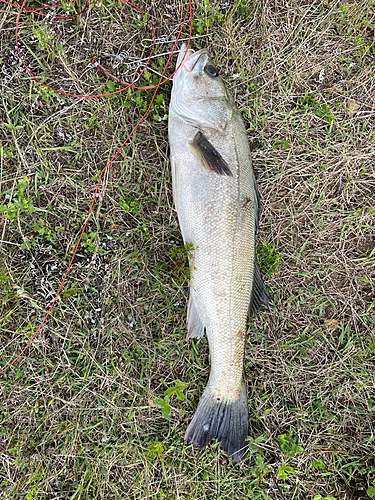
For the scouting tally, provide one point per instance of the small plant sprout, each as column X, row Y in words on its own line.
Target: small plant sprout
column 88, row 241
column 156, row 450
column 285, row 471
column 164, row 403
column 21, row 204
column 371, row 490
column 288, row 445
column 268, row 259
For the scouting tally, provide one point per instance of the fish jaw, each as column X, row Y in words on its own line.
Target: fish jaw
column 189, row 58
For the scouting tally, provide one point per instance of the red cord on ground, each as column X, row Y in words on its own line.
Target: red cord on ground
column 127, row 85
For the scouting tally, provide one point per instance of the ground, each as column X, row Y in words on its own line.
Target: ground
column 85, row 412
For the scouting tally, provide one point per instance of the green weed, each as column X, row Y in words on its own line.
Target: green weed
column 43, row 35
column 371, row 490
column 88, row 242
column 176, row 390
column 268, row 259
column 156, row 450
column 208, row 14
column 22, row 203
column 285, row 470
column 288, row 445
column 259, row 470
column 181, row 257
column 44, row 232
column 71, row 289
column 244, row 9
column 310, row 102
column 7, row 291
column 131, row 205
column 46, row 94
column 3, row 152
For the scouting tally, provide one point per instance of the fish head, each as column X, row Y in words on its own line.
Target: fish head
column 198, row 76
column 199, row 95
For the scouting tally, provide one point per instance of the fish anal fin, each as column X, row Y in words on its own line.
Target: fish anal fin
column 194, row 324
column 259, row 294
column 206, row 154
column 228, row 421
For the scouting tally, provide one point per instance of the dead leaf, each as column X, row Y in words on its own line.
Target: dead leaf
column 352, row 107
column 331, row 324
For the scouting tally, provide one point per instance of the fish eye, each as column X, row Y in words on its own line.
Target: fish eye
column 211, row 71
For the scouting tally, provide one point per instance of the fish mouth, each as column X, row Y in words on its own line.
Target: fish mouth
column 192, row 61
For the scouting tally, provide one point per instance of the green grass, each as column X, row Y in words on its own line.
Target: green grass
column 98, row 406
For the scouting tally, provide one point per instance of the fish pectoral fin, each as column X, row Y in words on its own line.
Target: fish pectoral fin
column 208, row 156
column 194, row 324
column 259, row 294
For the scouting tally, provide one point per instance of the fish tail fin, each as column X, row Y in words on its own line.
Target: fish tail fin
column 228, row 421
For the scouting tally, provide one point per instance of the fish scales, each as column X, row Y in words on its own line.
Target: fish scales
column 216, row 199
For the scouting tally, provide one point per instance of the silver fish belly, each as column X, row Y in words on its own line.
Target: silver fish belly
column 216, row 199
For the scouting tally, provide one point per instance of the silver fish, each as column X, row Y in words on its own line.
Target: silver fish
column 217, row 203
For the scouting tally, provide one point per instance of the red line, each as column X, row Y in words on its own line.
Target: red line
column 161, row 81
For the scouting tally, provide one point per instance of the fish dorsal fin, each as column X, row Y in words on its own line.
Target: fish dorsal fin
column 208, row 156
column 259, row 294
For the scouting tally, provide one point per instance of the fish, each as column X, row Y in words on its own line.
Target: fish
column 217, row 202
